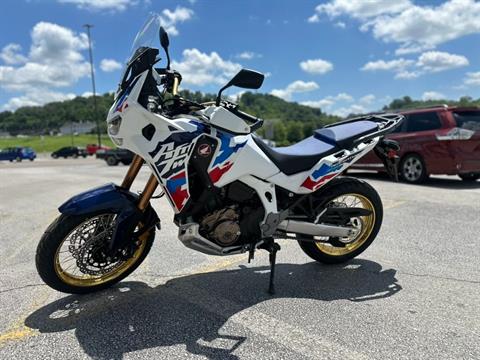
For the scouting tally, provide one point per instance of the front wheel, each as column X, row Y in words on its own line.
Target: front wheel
column 347, row 193
column 71, row 255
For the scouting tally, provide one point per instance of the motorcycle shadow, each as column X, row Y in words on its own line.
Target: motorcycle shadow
column 192, row 309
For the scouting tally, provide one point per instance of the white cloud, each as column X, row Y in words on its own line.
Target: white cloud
column 432, row 95
column 344, row 104
column 340, row 24
column 36, row 97
column 428, row 62
column 109, row 65
column 322, row 103
column 361, row 9
column 248, row 55
column 54, row 61
column 394, row 65
column 348, row 110
column 198, row 68
column 10, row 54
column 314, row 18
column 406, row 75
column 329, row 101
column 415, row 28
column 297, row 86
column 316, row 66
column 169, row 19
column 367, row 99
column 472, row 78
column 98, row 5
column 435, row 61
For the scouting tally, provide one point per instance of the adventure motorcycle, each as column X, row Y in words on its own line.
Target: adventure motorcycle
column 230, row 191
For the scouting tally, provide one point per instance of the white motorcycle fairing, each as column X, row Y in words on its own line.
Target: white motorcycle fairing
column 235, row 157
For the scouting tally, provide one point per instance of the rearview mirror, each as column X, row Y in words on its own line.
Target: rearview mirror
column 165, row 42
column 245, row 78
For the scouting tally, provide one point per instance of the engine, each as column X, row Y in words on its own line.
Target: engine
column 222, row 226
column 238, row 220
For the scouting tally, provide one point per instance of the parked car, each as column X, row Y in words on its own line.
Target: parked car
column 18, row 153
column 69, row 151
column 115, row 156
column 93, row 148
column 435, row 140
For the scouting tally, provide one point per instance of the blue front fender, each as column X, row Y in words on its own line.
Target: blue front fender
column 108, row 198
column 112, row 199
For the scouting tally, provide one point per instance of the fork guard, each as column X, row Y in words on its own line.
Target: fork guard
column 111, row 198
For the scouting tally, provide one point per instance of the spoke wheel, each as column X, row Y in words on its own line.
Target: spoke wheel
column 363, row 224
column 72, row 257
column 80, row 259
column 349, row 193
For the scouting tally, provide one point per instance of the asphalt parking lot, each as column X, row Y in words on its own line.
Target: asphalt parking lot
column 414, row 294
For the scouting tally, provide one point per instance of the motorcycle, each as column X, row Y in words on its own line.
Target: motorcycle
column 230, row 191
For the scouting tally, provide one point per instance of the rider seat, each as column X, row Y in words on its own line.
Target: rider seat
column 305, row 154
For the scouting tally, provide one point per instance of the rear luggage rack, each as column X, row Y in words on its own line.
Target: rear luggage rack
column 386, row 122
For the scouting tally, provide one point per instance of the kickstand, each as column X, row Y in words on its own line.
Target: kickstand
column 272, row 247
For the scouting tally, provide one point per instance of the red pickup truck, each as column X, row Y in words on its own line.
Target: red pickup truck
column 436, row 140
column 93, row 148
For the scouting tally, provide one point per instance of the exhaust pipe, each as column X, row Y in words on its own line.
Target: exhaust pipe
column 305, row 228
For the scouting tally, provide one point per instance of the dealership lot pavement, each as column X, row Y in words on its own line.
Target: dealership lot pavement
column 414, row 294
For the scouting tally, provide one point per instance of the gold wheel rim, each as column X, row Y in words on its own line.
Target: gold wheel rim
column 367, row 225
column 80, row 279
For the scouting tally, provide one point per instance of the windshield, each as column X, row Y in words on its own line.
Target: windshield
column 147, row 37
column 145, row 41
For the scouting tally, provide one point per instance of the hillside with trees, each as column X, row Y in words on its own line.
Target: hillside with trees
column 285, row 122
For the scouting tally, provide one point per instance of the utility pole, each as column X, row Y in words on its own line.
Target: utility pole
column 88, row 26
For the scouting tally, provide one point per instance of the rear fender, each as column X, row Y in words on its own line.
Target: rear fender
column 110, row 198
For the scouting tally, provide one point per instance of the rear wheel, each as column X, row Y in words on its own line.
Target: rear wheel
column 413, row 169
column 351, row 193
column 71, row 255
column 470, row 177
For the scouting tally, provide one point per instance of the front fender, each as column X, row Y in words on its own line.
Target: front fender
column 110, row 198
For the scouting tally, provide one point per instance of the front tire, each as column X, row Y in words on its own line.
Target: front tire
column 60, row 276
column 327, row 253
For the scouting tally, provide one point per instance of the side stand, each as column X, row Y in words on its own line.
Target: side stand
column 272, row 247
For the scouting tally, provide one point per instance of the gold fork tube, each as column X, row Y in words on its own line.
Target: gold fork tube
column 147, row 192
column 132, row 172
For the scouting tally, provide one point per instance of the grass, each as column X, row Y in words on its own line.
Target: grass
column 51, row 143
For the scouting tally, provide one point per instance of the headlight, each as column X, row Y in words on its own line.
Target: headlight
column 113, row 125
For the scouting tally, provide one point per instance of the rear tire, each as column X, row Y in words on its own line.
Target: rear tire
column 328, row 254
column 413, row 169
column 48, row 253
column 470, row 177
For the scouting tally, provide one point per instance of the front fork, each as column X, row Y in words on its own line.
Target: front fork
column 149, row 188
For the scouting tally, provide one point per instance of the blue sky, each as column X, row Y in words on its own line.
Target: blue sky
column 340, row 55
